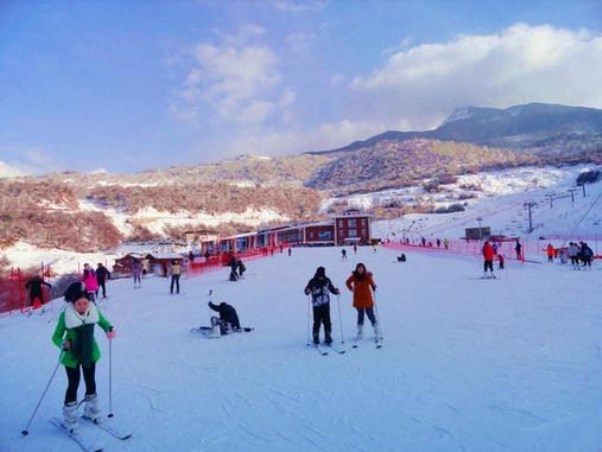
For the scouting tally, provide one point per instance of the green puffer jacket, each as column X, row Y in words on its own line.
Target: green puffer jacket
column 65, row 330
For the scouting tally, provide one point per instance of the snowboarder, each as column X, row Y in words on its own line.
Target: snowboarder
column 102, row 274
column 90, row 280
column 228, row 318
column 74, row 334
column 34, row 284
column 361, row 283
column 488, row 256
column 320, row 287
column 176, row 271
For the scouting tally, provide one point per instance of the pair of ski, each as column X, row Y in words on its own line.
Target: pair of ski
column 206, row 330
column 323, row 349
column 87, row 444
column 378, row 343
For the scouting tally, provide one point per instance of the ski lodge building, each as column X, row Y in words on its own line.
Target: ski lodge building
column 348, row 228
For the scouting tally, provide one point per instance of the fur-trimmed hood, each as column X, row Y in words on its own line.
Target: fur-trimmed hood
column 73, row 319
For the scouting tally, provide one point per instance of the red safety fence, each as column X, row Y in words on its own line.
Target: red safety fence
column 531, row 250
column 15, row 296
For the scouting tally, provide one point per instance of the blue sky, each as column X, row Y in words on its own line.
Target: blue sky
column 130, row 85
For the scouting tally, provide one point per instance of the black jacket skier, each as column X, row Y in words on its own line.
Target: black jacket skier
column 35, row 288
column 227, row 314
column 320, row 287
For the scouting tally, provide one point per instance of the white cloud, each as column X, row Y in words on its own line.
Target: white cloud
column 300, row 6
column 419, row 86
column 237, row 80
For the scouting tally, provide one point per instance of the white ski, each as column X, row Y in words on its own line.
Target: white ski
column 108, row 427
column 80, row 439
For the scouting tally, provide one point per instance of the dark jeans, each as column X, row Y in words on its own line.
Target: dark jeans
column 322, row 315
column 73, row 376
column 488, row 265
column 175, row 279
column 369, row 312
column 102, row 285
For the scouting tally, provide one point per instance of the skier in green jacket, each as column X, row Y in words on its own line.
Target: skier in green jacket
column 74, row 334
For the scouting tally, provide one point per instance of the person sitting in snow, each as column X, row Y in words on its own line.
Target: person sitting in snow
column 228, row 318
column 74, row 334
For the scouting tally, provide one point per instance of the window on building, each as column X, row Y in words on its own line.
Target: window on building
column 352, row 233
column 352, row 223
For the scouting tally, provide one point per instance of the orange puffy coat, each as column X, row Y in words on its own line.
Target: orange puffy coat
column 362, row 295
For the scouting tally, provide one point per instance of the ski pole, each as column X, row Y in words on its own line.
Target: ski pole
column 340, row 318
column 110, row 379
column 25, row 431
column 380, row 326
column 308, row 321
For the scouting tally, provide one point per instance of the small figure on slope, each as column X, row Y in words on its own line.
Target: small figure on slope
column 102, row 274
column 91, row 282
column 34, row 284
column 74, row 334
column 137, row 271
column 320, row 287
column 176, row 271
column 361, row 283
column 488, row 256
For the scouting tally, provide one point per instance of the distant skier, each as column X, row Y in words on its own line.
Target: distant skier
column 587, row 254
column 446, row 243
column 488, row 256
column 344, row 254
column 34, row 284
column 361, row 283
column 137, row 271
column 228, row 318
column 574, row 254
column 233, row 263
column 320, row 287
column 176, row 271
column 550, row 251
column 401, row 258
column 241, row 268
column 102, row 274
column 90, row 280
column 518, row 248
column 355, row 248
column 74, row 334
column 290, row 251
column 500, row 260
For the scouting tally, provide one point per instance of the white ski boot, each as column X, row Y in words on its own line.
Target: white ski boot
column 70, row 416
column 360, row 333
column 91, row 410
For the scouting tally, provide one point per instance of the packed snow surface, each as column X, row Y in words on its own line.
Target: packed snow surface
column 511, row 364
